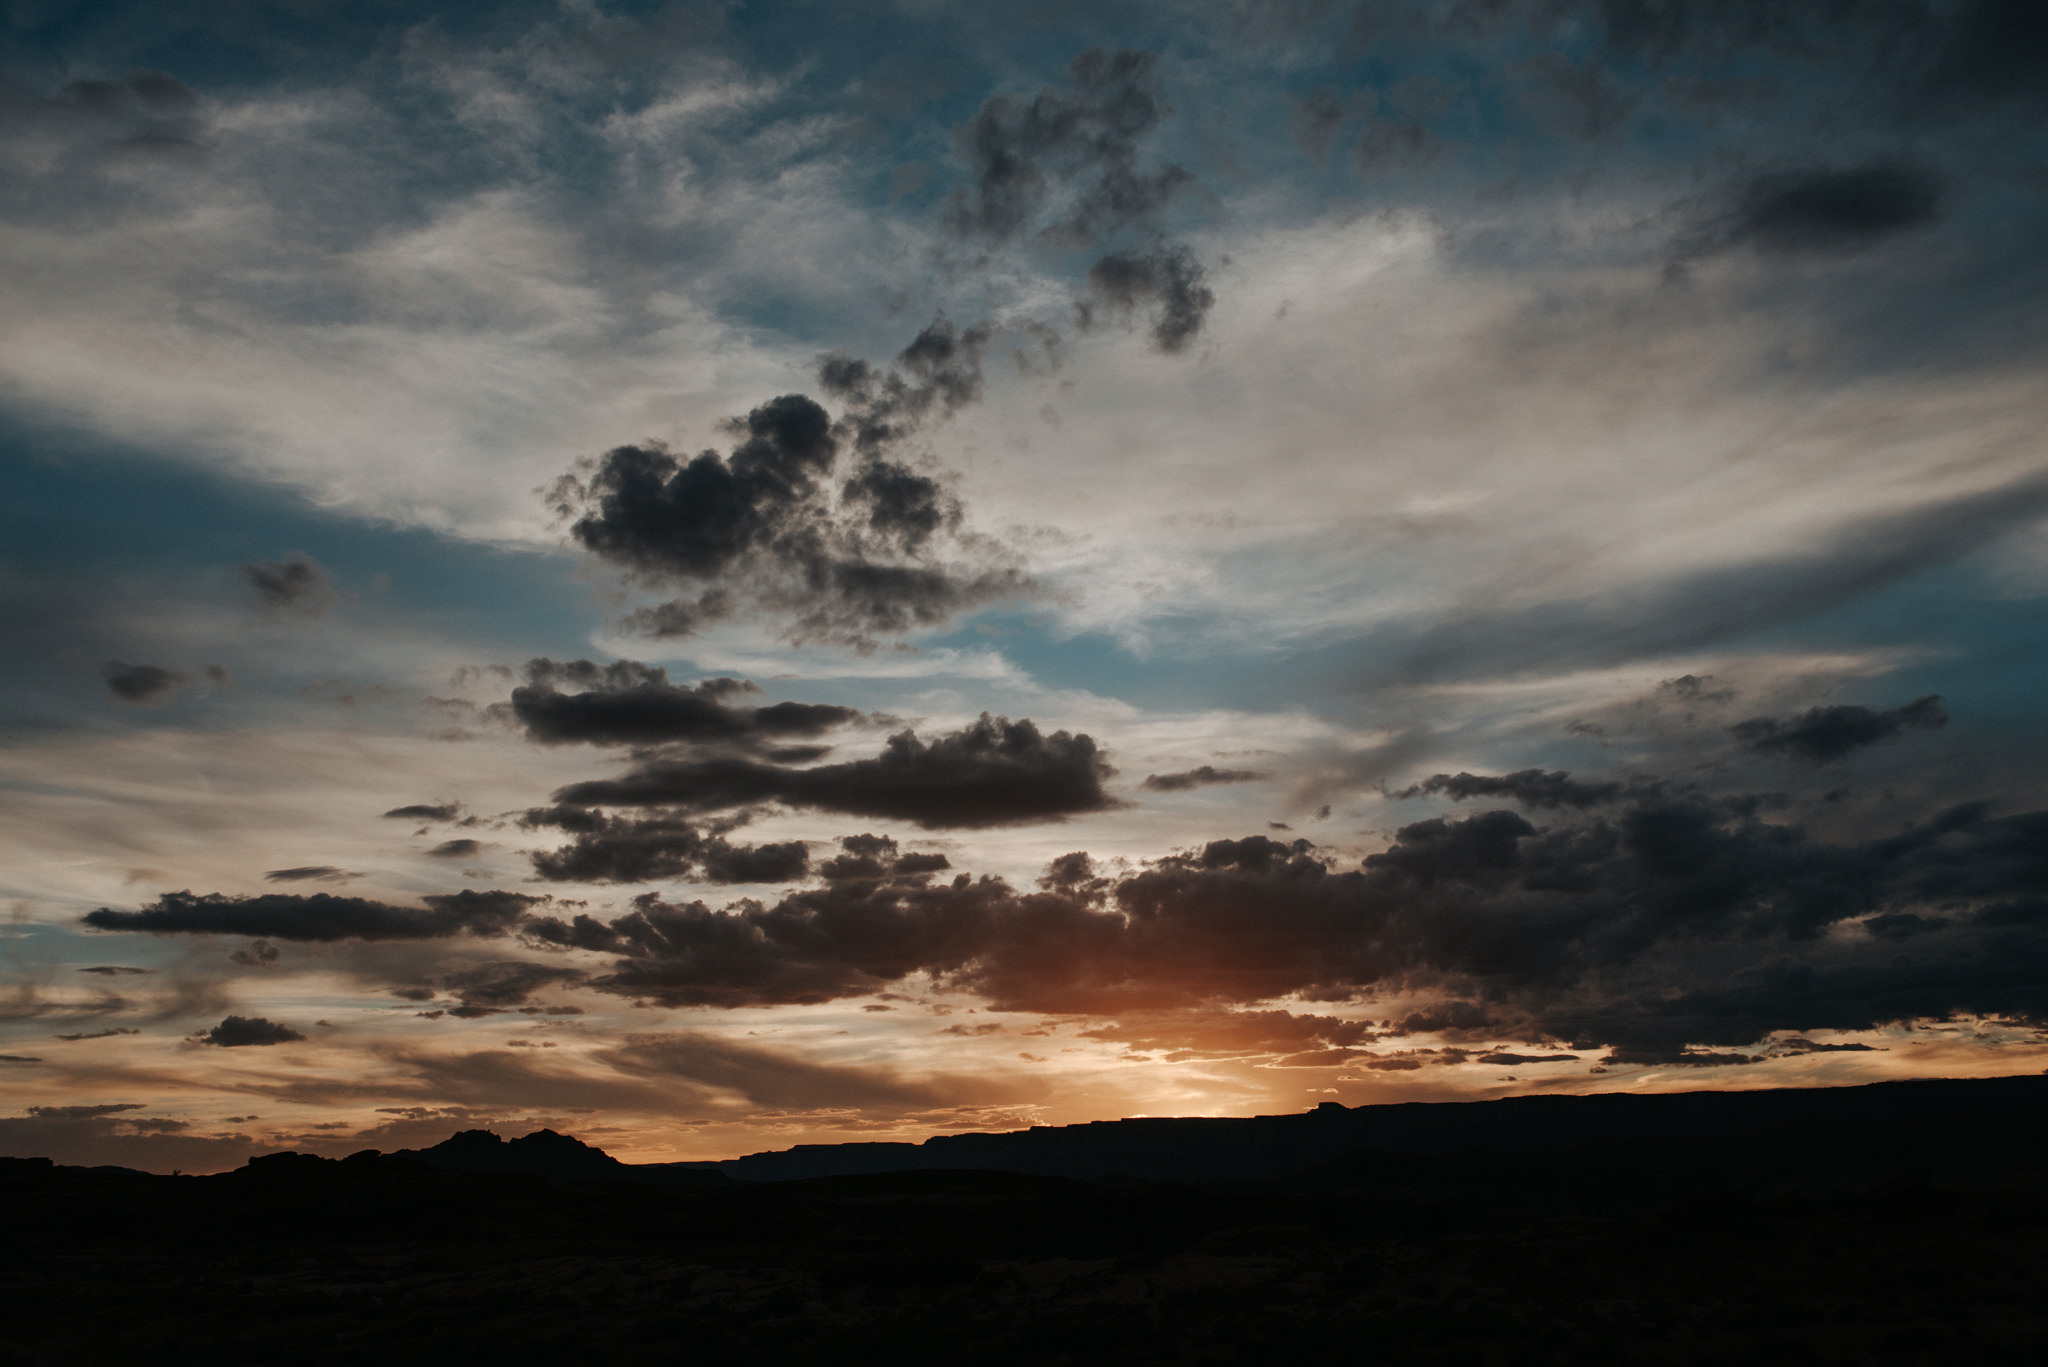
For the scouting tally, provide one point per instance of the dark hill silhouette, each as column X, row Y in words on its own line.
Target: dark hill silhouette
column 1891, row 1117
column 1896, row 1223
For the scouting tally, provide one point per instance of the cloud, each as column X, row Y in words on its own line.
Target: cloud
column 938, row 373
column 767, row 1078
column 320, row 916
column 108, row 1033
column 628, row 703
column 1532, row 788
column 1649, row 925
column 1831, row 212
column 878, row 856
column 141, row 683
column 260, row 954
column 1068, row 163
column 236, row 1032
column 1797, row 1045
column 1680, row 614
column 1083, row 141
column 427, row 811
column 1821, row 735
column 995, row 772
column 504, row 983
column 1166, row 281
column 768, row 530
column 115, row 970
column 83, row 1112
column 1202, row 777
column 456, row 849
column 623, row 850
column 295, row 585
column 311, row 873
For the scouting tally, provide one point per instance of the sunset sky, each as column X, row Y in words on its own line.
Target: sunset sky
column 716, row 576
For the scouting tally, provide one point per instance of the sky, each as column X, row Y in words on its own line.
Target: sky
column 716, row 576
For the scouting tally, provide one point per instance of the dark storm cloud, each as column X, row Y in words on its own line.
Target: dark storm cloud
column 237, row 1032
column 140, row 683
column 1663, row 923
column 320, row 916
column 1822, row 734
column 456, row 849
column 1166, row 282
column 995, row 772
column 770, row 529
column 656, row 848
column 296, row 584
column 627, row 703
column 1205, row 776
column 426, row 811
column 115, row 970
column 1533, row 788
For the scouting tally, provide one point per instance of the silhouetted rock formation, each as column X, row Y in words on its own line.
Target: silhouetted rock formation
column 1903, row 1223
column 540, row 1154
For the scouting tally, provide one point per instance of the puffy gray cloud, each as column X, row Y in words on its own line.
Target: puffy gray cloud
column 320, row 916
column 610, row 849
column 1165, row 282
column 995, row 772
column 236, row 1032
column 938, row 374
column 767, row 529
column 628, row 703
column 1667, row 923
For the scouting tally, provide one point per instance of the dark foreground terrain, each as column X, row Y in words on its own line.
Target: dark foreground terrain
column 1902, row 1223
